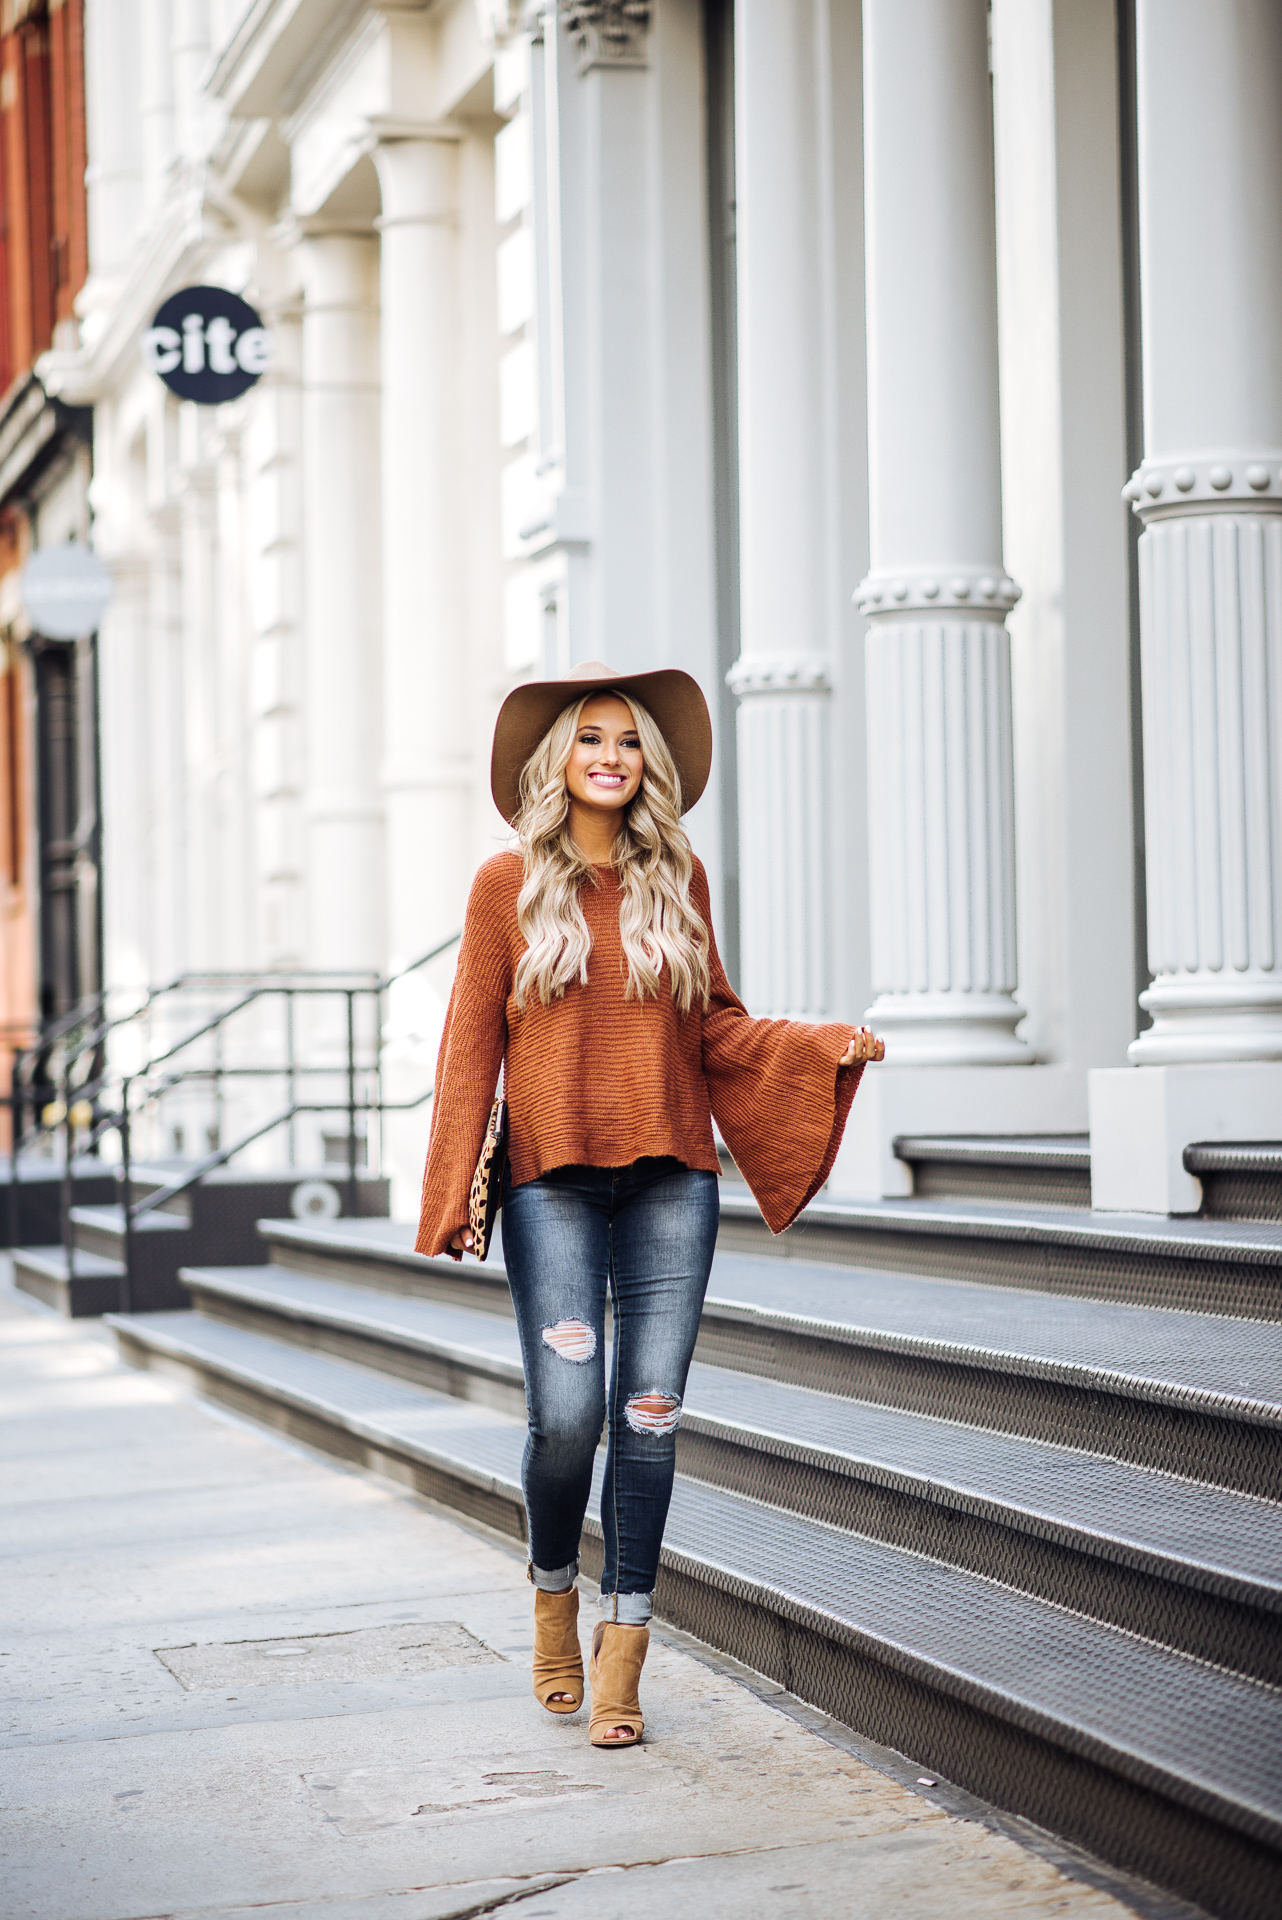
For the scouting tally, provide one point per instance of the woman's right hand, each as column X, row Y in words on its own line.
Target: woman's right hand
column 461, row 1239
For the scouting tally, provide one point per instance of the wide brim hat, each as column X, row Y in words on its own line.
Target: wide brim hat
column 673, row 699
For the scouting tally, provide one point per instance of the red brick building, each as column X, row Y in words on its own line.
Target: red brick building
column 48, row 826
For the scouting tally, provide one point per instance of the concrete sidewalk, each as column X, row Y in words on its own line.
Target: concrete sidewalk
column 240, row 1680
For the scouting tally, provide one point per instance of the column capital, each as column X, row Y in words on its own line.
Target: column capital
column 779, row 673
column 292, row 229
column 609, row 33
column 384, row 130
column 1226, row 477
column 977, row 591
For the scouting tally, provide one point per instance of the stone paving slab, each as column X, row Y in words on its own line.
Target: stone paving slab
column 133, row 1518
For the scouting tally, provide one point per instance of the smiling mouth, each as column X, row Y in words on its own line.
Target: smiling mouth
column 609, row 779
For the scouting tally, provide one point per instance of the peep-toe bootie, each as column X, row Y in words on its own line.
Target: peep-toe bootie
column 618, row 1655
column 558, row 1658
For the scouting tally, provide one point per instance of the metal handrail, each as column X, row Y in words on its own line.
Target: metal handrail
column 316, row 982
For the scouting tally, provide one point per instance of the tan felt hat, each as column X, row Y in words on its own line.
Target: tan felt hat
column 673, row 698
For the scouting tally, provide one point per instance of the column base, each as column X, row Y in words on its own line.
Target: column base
column 1142, row 1118
column 968, row 1100
column 1197, row 1020
column 949, row 1029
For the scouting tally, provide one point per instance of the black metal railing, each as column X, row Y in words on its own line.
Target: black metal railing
column 92, row 1099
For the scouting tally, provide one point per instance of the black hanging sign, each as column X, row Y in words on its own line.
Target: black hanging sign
column 207, row 345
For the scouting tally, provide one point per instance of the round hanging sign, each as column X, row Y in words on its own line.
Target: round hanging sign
column 65, row 591
column 207, row 345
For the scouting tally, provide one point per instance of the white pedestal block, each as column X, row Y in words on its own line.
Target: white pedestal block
column 1142, row 1118
column 971, row 1100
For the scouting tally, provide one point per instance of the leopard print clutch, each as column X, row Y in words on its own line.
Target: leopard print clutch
column 485, row 1196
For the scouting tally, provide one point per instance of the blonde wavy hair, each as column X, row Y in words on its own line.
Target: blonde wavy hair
column 658, row 923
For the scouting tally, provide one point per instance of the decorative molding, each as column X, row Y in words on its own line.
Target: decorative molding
column 779, row 673
column 386, row 128
column 1226, row 478
column 293, row 228
column 895, row 591
column 1211, row 615
column 610, row 33
column 941, row 839
column 498, row 21
column 171, row 250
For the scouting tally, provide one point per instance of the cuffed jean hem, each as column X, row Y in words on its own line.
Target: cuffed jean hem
column 627, row 1609
column 559, row 1581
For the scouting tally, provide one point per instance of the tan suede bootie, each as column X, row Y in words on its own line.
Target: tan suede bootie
column 618, row 1655
column 558, row 1658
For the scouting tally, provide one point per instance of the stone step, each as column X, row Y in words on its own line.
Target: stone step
column 215, row 1221
column 38, row 1210
column 162, row 1242
column 1202, row 1266
column 1193, row 1566
column 226, row 1205
column 1241, row 1180
column 1195, row 1394
column 1165, row 1764
column 92, row 1287
column 1050, row 1170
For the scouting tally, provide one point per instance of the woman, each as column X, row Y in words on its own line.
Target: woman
column 589, row 972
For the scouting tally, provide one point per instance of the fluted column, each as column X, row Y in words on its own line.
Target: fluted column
column 1209, row 492
column 426, row 767
column 343, row 694
column 938, row 656
column 783, row 674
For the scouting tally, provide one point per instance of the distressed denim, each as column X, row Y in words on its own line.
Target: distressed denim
column 645, row 1234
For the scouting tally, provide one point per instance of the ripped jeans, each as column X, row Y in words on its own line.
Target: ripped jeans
column 646, row 1233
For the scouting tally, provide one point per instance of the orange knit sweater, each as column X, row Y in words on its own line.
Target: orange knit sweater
column 598, row 1080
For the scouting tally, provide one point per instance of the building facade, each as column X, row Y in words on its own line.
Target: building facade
column 807, row 345
column 50, row 929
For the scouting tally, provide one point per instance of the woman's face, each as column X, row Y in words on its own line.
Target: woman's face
column 605, row 765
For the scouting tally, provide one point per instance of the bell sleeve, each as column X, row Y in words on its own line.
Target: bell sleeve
column 777, row 1094
column 467, row 1068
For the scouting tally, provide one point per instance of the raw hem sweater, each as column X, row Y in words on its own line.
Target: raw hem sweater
column 597, row 1079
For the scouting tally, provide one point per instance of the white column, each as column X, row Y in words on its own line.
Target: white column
column 783, row 676
column 343, row 697
column 156, row 103
column 274, row 476
column 426, row 768
column 1210, row 495
column 197, row 613
column 190, row 52
column 938, row 657
column 1064, row 420
column 114, row 175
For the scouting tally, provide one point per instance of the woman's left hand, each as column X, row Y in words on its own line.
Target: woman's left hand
column 864, row 1045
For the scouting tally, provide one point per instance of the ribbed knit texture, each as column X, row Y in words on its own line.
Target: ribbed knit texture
column 599, row 1080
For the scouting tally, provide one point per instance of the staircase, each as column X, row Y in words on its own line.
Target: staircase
column 38, row 1212
column 214, row 1222
column 999, row 1485
column 1241, row 1180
